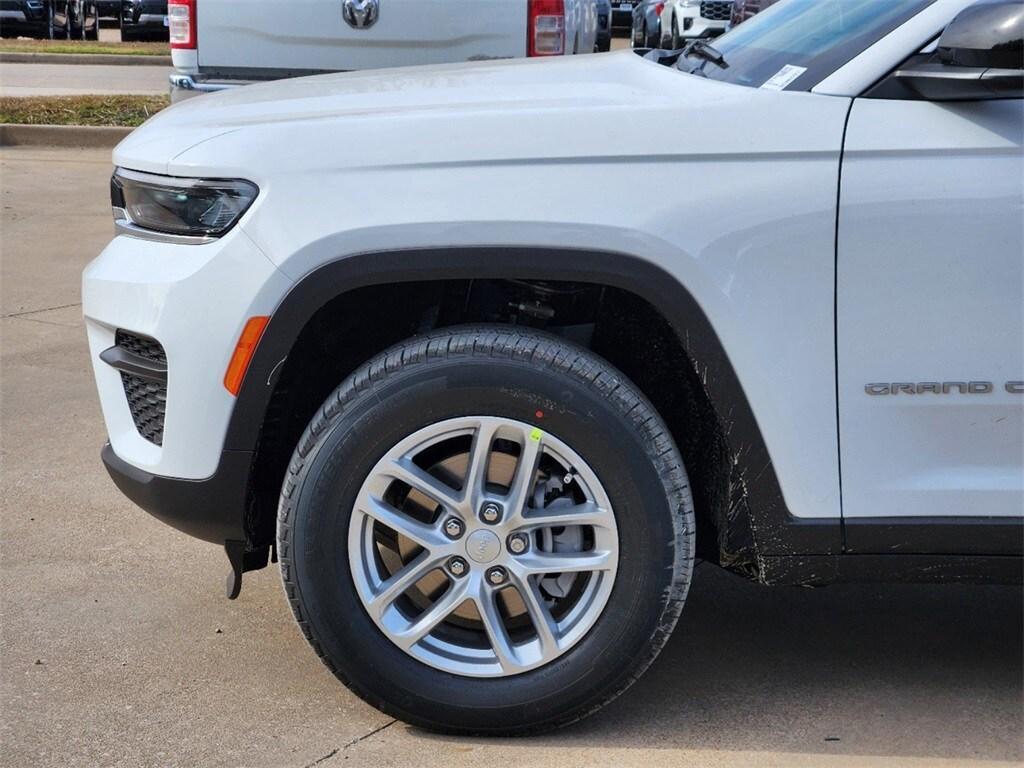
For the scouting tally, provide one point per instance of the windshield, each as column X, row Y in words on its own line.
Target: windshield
column 795, row 44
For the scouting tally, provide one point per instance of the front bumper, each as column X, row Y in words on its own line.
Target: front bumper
column 692, row 25
column 212, row 509
column 193, row 300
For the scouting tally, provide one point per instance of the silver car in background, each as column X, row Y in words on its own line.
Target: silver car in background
column 647, row 30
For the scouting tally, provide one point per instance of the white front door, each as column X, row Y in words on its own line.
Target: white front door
column 930, row 310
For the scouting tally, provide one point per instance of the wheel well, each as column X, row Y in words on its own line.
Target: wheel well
column 616, row 324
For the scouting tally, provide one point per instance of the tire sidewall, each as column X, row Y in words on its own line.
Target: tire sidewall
column 422, row 394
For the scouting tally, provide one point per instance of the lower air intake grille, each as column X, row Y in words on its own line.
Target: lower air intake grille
column 147, row 398
column 716, row 10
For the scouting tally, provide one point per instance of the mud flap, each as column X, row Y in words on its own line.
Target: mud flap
column 241, row 560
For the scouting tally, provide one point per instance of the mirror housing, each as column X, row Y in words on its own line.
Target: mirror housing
column 979, row 56
column 987, row 35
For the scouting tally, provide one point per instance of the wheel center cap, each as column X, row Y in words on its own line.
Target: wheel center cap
column 483, row 546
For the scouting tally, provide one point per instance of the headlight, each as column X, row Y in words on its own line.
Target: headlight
column 176, row 207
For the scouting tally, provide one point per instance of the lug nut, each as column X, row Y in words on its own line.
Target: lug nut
column 457, row 566
column 453, row 528
column 518, row 543
column 490, row 513
column 496, row 576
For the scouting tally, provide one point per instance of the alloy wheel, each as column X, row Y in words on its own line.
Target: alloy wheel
column 483, row 546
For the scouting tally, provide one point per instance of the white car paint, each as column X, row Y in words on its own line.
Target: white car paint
column 492, row 154
column 934, row 294
column 376, row 189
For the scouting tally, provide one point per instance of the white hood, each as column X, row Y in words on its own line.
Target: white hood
column 478, row 111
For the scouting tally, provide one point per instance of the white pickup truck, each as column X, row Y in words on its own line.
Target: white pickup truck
column 219, row 44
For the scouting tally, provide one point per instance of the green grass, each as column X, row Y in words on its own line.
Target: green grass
column 124, row 111
column 72, row 47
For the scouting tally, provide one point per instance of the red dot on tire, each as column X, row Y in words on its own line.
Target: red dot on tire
column 539, row 414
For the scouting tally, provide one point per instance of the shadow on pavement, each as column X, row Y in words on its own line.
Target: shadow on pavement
column 892, row 670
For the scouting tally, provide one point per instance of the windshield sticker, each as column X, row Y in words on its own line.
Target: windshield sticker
column 783, row 77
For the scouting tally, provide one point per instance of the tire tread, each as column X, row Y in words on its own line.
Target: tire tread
column 560, row 356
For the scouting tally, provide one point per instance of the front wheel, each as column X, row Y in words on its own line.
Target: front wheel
column 486, row 530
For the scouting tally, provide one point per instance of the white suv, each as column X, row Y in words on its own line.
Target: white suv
column 684, row 20
column 386, row 326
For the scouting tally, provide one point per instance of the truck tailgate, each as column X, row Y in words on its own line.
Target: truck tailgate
column 313, row 35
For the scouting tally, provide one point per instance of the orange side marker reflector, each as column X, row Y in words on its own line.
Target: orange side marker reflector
column 244, row 350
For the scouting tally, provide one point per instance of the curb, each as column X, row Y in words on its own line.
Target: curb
column 14, row 57
column 83, row 136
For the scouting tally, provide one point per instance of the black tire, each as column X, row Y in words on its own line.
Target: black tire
column 505, row 372
column 653, row 40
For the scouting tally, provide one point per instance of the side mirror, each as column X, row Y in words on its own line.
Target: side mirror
column 980, row 55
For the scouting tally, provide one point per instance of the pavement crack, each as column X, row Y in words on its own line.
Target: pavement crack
column 328, row 756
column 45, row 309
column 44, row 322
column 352, row 743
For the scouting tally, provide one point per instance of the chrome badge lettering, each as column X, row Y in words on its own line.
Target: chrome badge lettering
column 941, row 388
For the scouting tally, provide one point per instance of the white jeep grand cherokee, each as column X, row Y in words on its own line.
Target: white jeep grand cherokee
column 387, row 327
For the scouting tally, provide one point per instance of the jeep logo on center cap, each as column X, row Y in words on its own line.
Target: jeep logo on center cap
column 483, row 546
column 360, row 14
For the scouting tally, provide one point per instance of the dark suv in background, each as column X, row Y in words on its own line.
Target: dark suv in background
column 143, row 20
column 24, row 18
column 50, row 19
column 622, row 13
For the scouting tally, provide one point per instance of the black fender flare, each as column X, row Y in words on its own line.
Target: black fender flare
column 775, row 530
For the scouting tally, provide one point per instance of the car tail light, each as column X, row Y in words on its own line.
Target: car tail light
column 181, row 20
column 658, row 9
column 546, row 28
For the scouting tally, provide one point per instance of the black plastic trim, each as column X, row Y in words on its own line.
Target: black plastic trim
column 775, row 530
column 212, row 509
column 821, row 570
column 122, row 360
column 982, row 536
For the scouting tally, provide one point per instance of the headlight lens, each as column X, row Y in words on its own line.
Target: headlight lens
column 177, row 206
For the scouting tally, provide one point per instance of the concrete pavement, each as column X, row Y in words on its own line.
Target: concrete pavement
column 118, row 648
column 81, row 79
